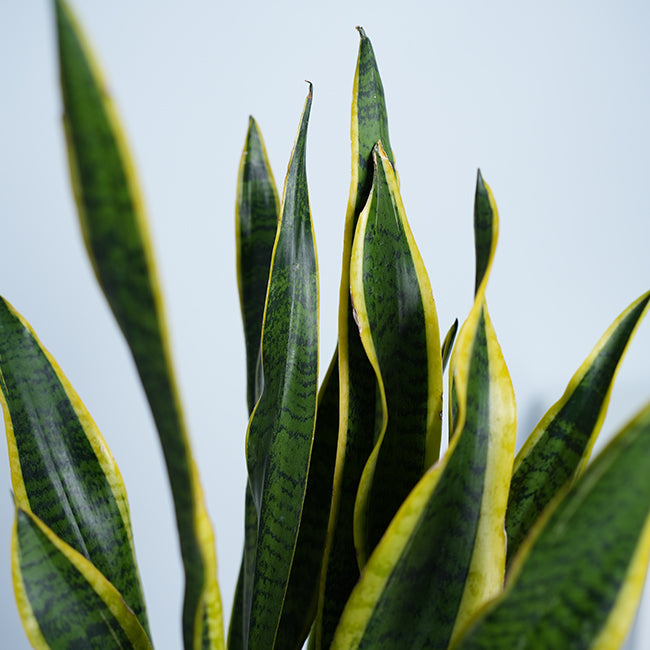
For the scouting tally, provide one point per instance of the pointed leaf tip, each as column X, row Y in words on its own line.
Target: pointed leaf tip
column 362, row 32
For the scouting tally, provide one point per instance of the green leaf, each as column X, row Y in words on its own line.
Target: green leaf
column 448, row 343
column 61, row 469
column 256, row 215
column 443, row 555
column 64, row 601
column 560, row 445
column 302, row 590
column 114, row 228
column 256, row 221
column 281, row 429
column 396, row 316
column 578, row 578
column 357, row 383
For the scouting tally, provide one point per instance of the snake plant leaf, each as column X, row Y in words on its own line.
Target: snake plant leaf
column 578, row 577
column 256, row 215
column 281, row 428
column 443, row 554
column 63, row 599
column 256, row 220
column 448, row 343
column 396, row 316
column 114, row 229
column 560, row 445
column 302, row 590
column 357, row 383
column 61, row 469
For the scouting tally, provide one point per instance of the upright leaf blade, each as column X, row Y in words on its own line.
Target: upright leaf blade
column 61, row 469
column 302, row 591
column 443, row 555
column 256, row 220
column 577, row 579
column 64, row 601
column 114, row 228
column 560, row 445
column 281, row 429
column 357, row 384
column 256, row 215
column 396, row 316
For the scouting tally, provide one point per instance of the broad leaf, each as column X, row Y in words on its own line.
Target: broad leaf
column 560, row 445
column 61, row 469
column 443, row 555
column 281, row 428
column 114, row 228
column 64, row 601
column 357, row 384
column 396, row 316
column 578, row 578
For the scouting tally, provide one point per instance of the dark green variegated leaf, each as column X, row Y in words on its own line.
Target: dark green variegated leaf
column 256, row 221
column 61, row 469
column 256, row 215
column 443, row 555
column 559, row 447
column 114, row 227
column 302, row 590
column 281, row 428
column 578, row 577
column 64, row 601
column 396, row 316
column 358, row 387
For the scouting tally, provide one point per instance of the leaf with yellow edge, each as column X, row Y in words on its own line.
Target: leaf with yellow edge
column 396, row 316
column 560, row 445
column 61, row 468
column 63, row 600
column 114, row 227
column 357, row 384
column 443, row 555
column 578, row 577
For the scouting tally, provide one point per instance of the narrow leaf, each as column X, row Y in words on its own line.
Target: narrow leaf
column 64, row 601
column 302, row 590
column 114, row 228
column 448, row 343
column 61, row 469
column 396, row 316
column 577, row 579
column 281, row 429
column 443, row 555
column 560, row 445
column 357, row 384
column 256, row 221
column 256, row 218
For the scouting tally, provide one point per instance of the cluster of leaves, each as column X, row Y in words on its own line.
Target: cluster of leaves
column 359, row 533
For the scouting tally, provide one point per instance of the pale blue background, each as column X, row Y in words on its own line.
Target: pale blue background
column 550, row 99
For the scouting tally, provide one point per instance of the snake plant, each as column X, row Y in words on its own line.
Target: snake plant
column 366, row 525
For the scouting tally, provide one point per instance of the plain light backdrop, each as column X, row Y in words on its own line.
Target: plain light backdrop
column 551, row 100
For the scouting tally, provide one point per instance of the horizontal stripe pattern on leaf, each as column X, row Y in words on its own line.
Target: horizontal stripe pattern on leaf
column 281, row 428
column 61, row 468
column 396, row 316
column 565, row 583
column 357, row 384
column 560, row 445
column 443, row 554
column 64, row 601
column 113, row 223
